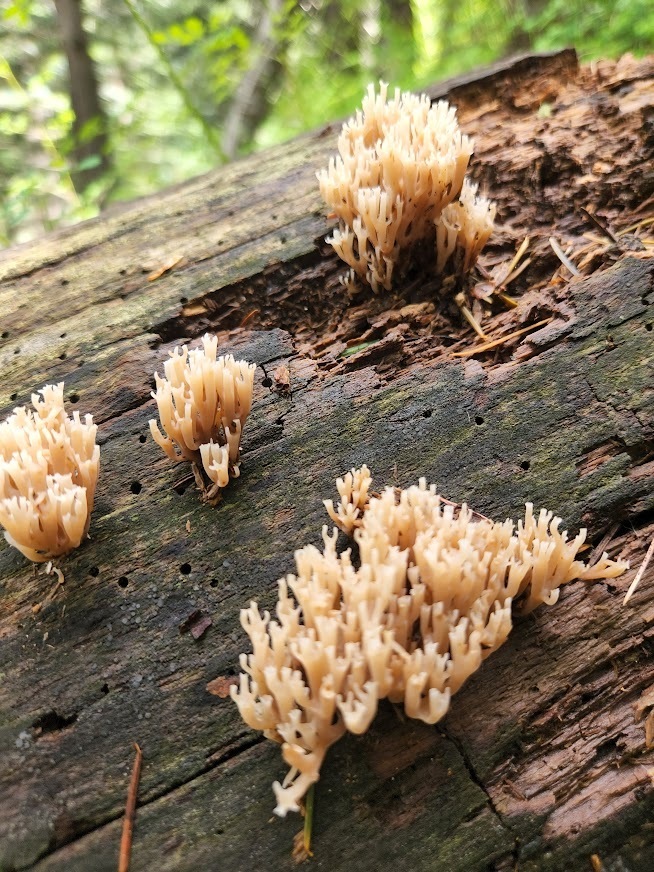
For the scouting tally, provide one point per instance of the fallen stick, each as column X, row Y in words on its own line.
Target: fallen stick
column 130, row 813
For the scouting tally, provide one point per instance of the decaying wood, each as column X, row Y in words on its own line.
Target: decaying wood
column 540, row 763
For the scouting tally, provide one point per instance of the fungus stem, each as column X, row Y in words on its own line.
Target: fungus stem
column 199, row 480
column 308, row 820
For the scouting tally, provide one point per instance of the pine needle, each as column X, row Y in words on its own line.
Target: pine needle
column 643, row 566
column 562, row 256
column 502, row 339
column 470, row 318
column 516, row 259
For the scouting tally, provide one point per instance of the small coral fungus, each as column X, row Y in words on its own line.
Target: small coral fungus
column 399, row 181
column 49, row 466
column 430, row 597
column 203, row 402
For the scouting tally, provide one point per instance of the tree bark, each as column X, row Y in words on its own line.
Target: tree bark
column 250, row 102
column 401, row 12
column 341, row 23
column 540, row 763
column 90, row 125
column 521, row 40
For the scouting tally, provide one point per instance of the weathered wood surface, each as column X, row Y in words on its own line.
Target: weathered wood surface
column 540, row 763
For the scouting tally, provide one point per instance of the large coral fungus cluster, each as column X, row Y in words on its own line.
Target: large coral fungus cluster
column 429, row 596
column 203, row 402
column 49, row 466
column 399, row 180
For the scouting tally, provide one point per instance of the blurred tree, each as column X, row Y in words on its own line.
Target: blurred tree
column 400, row 12
column 128, row 96
column 90, row 124
column 250, row 102
column 340, row 29
column 523, row 12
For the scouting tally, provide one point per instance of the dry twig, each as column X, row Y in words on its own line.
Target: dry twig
column 130, row 813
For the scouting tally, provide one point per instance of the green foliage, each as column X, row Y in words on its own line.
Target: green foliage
column 176, row 74
column 596, row 27
column 19, row 11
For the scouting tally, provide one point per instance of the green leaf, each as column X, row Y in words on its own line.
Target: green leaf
column 355, row 349
column 88, row 163
column 89, row 130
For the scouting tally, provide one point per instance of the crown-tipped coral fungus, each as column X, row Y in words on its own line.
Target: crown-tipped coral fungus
column 49, row 466
column 203, row 402
column 399, row 180
column 428, row 598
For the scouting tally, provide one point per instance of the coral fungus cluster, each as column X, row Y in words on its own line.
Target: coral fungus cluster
column 49, row 463
column 203, row 402
column 399, row 180
column 428, row 598
column 49, row 466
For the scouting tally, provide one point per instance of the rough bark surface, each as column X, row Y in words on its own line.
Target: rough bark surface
column 540, row 763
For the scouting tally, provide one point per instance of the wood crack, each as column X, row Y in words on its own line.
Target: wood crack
column 238, row 746
column 467, row 762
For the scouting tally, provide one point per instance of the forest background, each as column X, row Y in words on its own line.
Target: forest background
column 108, row 100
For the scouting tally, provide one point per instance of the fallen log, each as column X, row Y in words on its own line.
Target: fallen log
column 540, row 763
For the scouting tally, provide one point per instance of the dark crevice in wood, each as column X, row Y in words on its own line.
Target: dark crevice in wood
column 77, row 830
column 52, row 722
column 476, row 780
